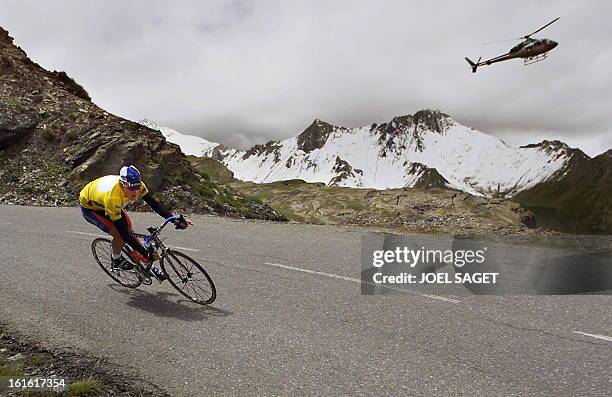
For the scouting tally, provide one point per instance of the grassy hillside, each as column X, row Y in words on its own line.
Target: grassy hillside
column 407, row 210
column 579, row 201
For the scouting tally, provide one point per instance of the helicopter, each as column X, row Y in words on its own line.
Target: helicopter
column 531, row 50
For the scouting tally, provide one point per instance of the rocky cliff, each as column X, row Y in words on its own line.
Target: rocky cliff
column 54, row 139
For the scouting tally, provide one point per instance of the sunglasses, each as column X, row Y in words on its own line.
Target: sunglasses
column 133, row 187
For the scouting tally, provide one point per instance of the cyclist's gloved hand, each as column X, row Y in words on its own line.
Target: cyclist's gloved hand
column 181, row 223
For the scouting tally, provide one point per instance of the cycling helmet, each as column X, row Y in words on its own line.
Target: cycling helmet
column 130, row 177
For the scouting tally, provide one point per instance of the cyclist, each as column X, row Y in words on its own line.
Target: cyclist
column 102, row 202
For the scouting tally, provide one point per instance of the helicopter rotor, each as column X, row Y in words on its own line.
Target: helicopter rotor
column 522, row 37
column 549, row 23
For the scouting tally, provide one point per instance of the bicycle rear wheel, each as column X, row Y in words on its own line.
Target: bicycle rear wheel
column 188, row 277
column 102, row 251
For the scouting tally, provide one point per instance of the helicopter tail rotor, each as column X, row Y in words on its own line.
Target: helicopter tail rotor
column 472, row 64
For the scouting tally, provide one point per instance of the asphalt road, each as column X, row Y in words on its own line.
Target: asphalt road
column 290, row 319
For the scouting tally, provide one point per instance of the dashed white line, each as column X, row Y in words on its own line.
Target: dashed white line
column 103, row 235
column 87, row 234
column 604, row 337
column 183, row 248
column 358, row 281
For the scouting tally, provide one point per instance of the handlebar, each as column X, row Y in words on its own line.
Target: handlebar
column 156, row 230
column 172, row 218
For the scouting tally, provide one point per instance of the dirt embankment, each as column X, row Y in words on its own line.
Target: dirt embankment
column 84, row 375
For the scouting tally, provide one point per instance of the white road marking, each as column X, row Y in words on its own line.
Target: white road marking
column 106, row 235
column 358, row 281
column 183, row 248
column 88, row 234
column 608, row 338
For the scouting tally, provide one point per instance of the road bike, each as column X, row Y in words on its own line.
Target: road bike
column 184, row 273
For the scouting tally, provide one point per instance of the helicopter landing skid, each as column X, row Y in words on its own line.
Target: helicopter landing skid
column 532, row 60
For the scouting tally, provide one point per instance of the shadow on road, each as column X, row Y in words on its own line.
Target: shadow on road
column 160, row 304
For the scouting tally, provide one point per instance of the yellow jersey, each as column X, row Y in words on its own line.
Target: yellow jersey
column 105, row 194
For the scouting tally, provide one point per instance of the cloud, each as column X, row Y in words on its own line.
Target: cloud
column 245, row 72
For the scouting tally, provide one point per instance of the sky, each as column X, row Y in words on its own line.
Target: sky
column 245, row 72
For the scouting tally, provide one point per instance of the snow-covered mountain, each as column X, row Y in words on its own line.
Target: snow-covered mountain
column 189, row 144
column 427, row 149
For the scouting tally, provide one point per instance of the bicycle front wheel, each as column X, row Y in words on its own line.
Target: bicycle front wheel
column 188, row 277
column 102, row 251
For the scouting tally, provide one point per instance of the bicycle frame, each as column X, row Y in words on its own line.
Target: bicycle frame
column 152, row 240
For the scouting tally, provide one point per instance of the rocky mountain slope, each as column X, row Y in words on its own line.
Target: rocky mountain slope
column 577, row 199
column 53, row 140
column 425, row 149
